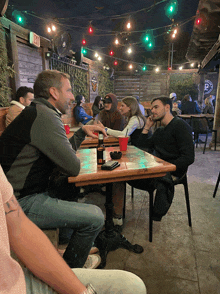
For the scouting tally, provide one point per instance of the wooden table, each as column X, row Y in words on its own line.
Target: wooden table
column 134, row 164
column 92, row 143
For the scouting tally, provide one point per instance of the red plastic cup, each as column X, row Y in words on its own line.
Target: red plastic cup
column 95, row 133
column 123, row 143
column 67, row 129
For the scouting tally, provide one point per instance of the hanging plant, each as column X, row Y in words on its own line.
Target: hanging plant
column 6, row 71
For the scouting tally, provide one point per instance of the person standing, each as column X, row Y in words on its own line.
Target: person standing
column 24, row 96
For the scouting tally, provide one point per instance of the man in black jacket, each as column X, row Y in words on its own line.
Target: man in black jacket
column 172, row 142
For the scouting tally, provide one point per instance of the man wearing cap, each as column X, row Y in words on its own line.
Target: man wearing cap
column 110, row 116
column 173, row 96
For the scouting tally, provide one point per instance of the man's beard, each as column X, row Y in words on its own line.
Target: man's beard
column 159, row 118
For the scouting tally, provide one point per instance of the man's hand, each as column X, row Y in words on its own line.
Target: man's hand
column 148, row 125
column 89, row 129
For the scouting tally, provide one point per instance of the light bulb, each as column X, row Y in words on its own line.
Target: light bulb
column 130, row 66
column 129, row 50
column 49, row 30
column 192, row 64
column 128, row 25
column 180, row 68
column 99, row 58
column 116, row 41
column 96, row 54
column 157, row 69
column 53, row 28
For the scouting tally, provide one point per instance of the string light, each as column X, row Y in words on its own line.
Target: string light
column 180, row 68
column 111, row 53
column 192, row 64
column 99, row 58
column 115, row 62
column 128, row 25
column 157, row 69
column 130, row 66
column 129, row 51
column 116, row 41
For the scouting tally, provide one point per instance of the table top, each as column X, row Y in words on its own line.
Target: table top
column 134, row 164
column 91, row 142
column 207, row 115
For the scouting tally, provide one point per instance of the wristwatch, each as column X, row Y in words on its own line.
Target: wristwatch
column 90, row 289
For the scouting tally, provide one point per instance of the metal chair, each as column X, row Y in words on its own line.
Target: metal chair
column 216, row 186
column 200, row 126
column 183, row 181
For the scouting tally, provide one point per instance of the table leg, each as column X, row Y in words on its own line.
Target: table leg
column 110, row 239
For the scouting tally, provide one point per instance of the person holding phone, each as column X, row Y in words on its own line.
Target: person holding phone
column 172, row 142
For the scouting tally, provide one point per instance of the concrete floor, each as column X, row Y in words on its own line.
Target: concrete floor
column 180, row 260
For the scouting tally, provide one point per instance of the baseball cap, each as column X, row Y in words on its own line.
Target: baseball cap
column 172, row 95
column 107, row 99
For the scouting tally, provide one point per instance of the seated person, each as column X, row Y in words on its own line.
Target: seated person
column 97, row 105
column 209, row 108
column 32, row 146
column 171, row 142
column 79, row 112
column 43, row 270
column 24, row 97
column 175, row 109
column 188, row 106
column 110, row 116
column 135, row 120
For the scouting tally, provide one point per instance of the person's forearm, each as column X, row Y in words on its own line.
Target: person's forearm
column 35, row 250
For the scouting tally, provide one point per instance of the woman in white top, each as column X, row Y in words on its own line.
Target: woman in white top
column 135, row 120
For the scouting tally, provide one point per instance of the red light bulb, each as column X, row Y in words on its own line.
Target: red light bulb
column 84, row 41
column 90, row 30
column 115, row 62
column 111, row 53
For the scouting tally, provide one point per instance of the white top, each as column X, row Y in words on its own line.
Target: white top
column 13, row 102
column 133, row 124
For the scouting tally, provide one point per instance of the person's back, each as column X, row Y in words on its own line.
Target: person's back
column 209, row 108
column 188, row 106
column 110, row 116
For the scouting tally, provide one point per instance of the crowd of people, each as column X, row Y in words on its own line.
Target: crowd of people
column 34, row 146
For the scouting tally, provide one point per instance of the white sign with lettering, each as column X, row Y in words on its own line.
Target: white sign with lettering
column 34, row 39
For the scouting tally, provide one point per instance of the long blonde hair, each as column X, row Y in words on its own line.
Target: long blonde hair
column 132, row 103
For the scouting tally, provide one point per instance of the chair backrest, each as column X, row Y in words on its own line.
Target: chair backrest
column 199, row 125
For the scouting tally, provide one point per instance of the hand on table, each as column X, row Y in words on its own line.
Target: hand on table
column 89, row 129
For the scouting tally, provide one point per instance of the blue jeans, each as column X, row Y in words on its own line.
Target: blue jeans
column 86, row 220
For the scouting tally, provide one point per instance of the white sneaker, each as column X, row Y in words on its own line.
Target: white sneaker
column 93, row 261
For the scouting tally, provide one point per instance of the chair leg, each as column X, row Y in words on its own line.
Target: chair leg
column 124, row 205
column 205, row 142
column 215, row 137
column 216, row 186
column 185, row 184
column 151, row 196
column 132, row 193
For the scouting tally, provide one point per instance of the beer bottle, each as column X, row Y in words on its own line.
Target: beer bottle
column 101, row 150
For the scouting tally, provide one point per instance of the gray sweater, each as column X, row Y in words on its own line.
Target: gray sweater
column 33, row 144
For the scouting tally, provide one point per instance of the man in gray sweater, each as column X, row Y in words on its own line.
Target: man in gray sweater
column 32, row 146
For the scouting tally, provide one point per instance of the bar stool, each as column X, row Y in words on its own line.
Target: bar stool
column 216, row 186
column 183, row 181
